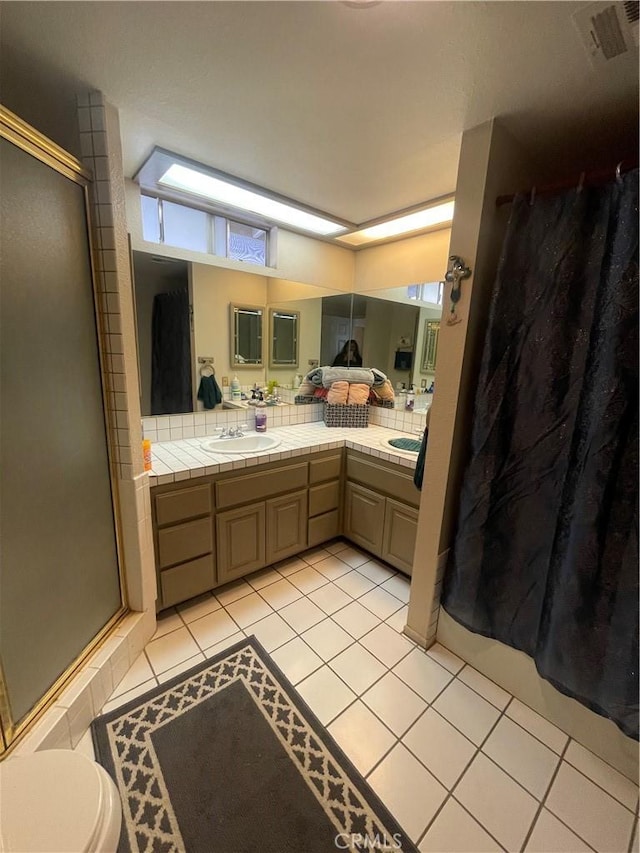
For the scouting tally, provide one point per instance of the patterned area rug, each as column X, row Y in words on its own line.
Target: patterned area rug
column 227, row 758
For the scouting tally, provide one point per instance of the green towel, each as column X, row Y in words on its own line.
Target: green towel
column 209, row 392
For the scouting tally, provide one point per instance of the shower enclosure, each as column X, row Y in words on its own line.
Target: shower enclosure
column 60, row 584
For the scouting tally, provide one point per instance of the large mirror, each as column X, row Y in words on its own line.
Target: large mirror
column 246, row 335
column 183, row 312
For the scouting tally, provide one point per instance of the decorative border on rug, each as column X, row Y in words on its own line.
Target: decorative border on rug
column 123, row 745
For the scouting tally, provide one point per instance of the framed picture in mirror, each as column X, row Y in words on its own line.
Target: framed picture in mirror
column 283, row 337
column 246, row 335
column 430, row 350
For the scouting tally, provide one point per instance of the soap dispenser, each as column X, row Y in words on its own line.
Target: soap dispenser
column 236, row 390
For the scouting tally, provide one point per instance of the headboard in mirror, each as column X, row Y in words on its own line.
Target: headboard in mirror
column 246, row 335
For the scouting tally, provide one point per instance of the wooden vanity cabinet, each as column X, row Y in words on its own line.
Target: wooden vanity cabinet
column 325, row 498
column 381, row 509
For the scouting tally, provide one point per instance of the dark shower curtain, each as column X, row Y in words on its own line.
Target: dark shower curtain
column 546, row 551
column 171, row 354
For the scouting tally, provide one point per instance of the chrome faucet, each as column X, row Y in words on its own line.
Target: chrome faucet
column 236, row 432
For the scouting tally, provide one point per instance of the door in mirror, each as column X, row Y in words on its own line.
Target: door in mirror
column 284, row 338
column 246, row 335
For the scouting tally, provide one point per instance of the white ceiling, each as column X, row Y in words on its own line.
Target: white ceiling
column 358, row 112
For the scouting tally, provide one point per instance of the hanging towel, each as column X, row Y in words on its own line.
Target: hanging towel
column 358, row 394
column 419, row 472
column 338, row 393
column 209, row 392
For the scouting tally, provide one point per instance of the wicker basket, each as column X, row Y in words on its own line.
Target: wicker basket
column 337, row 415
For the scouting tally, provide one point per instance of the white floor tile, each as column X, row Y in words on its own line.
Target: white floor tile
column 197, row 607
column 314, row 555
column 271, row 632
column 467, row 711
column 422, row 674
column 382, row 603
column 171, row 649
column 289, row 566
column 327, row 639
column 296, row 660
column 233, row 592
column 589, row 812
column 526, row 759
column 167, row 621
column 140, row 690
column 280, row 593
column 354, row 558
column 398, row 586
column 375, row 571
column 398, row 619
column 488, row 689
column 356, row 619
column 307, row 579
column 362, row 736
column 551, row 836
column 395, row 703
column 225, row 644
column 330, row 598
column 248, row 610
column 336, row 547
column 325, row 694
column 358, row 668
column 538, row 726
column 387, row 645
column 455, row 831
column 139, row 671
column 302, row 614
column 211, row 629
column 445, row 658
column 264, row 577
column 332, row 568
column 602, row 774
column 497, row 802
column 183, row 666
column 440, row 747
column 354, row 584
column 409, row 791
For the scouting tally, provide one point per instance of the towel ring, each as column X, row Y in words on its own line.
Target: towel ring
column 207, row 370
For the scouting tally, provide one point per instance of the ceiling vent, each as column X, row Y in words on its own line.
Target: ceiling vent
column 608, row 30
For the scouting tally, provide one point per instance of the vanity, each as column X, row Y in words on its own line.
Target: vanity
column 212, row 529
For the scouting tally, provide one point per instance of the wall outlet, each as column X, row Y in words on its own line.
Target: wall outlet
column 225, row 381
column 313, row 362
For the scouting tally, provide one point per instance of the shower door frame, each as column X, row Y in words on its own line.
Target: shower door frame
column 31, row 141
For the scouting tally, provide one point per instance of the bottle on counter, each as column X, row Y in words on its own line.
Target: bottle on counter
column 261, row 417
column 146, row 453
column 236, row 390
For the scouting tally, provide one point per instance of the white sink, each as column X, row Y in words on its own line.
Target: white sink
column 255, row 443
column 386, row 443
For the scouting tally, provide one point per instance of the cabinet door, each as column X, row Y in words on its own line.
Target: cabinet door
column 241, row 542
column 364, row 517
column 286, row 525
column 399, row 541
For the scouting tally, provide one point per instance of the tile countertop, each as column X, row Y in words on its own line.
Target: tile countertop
column 173, row 461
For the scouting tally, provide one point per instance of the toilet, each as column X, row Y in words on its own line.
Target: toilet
column 59, row 801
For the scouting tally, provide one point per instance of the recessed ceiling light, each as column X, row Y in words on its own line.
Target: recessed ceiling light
column 225, row 192
column 419, row 220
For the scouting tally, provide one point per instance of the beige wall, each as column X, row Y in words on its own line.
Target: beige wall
column 310, row 311
column 416, row 259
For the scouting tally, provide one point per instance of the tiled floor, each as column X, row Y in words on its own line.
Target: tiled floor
column 462, row 764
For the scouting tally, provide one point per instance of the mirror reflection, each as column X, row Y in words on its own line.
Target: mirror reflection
column 183, row 311
column 246, row 335
column 283, row 333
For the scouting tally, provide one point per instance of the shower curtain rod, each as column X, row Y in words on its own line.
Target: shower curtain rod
column 592, row 178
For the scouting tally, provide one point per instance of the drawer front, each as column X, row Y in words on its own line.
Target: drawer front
column 324, row 527
column 324, row 497
column 185, row 581
column 255, row 487
column 327, row 468
column 182, row 504
column 399, row 541
column 381, row 479
column 184, row 542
